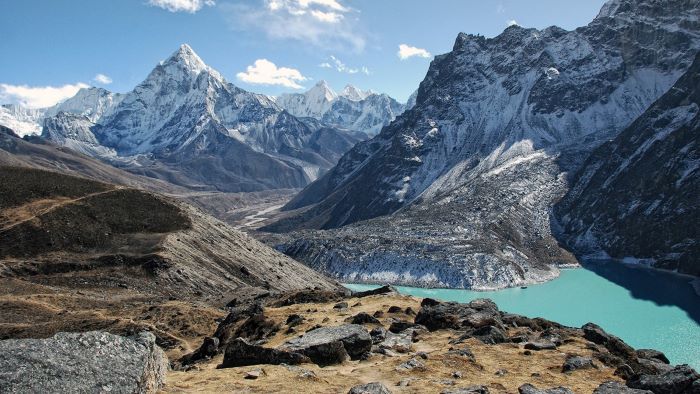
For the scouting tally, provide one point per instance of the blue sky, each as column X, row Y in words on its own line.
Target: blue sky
column 50, row 47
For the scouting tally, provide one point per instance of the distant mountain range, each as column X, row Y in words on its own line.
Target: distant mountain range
column 186, row 124
column 458, row 191
column 352, row 109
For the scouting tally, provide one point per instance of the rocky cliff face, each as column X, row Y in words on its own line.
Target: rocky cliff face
column 636, row 196
column 511, row 114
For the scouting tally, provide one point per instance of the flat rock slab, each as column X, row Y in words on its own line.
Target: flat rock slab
column 354, row 338
column 370, row 388
column 240, row 353
column 88, row 362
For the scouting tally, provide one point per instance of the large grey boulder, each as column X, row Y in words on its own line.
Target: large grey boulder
column 240, row 353
column 618, row 388
column 91, row 362
column 530, row 389
column 326, row 345
column 680, row 380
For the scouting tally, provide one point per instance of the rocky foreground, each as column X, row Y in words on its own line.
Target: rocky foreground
column 372, row 342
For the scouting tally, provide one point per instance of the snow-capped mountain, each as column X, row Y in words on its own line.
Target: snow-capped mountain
column 354, row 94
column 471, row 172
column 353, row 109
column 313, row 103
column 186, row 124
column 91, row 102
column 23, row 121
column 636, row 197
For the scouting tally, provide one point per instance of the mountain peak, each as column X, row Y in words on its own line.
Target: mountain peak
column 322, row 89
column 354, row 94
column 186, row 58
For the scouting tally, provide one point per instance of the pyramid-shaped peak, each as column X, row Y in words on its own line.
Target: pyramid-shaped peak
column 352, row 93
column 187, row 59
column 322, row 89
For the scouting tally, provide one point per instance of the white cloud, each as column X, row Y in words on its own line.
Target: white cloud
column 500, row 9
column 38, row 96
column 406, row 51
column 341, row 67
column 328, row 17
column 326, row 24
column 512, row 22
column 264, row 72
column 190, row 6
column 103, row 79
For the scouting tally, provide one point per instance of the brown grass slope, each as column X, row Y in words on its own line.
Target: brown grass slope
column 77, row 254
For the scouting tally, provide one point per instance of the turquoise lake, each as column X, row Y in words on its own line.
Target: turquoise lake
column 646, row 308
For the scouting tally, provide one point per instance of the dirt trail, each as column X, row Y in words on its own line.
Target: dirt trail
column 13, row 217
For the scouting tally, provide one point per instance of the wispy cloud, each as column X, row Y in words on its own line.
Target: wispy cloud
column 407, row 51
column 103, row 79
column 341, row 67
column 265, row 72
column 190, row 6
column 512, row 22
column 327, row 24
column 37, row 96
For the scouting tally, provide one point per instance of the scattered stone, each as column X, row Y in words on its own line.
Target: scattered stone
column 357, row 304
column 615, row 345
column 254, row 374
column 422, row 355
column 370, row 388
column 380, row 290
column 438, row 315
column 209, row 348
column 378, row 314
column 466, row 353
column 651, row 354
column 325, row 320
column 294, row 320
column 405, row 382
column 624, row 371
column 364, row 318
column 681, row 379
column 394, row 309
column 574, row 363
column 652, row 367
column 519, row 338
column 618, row 388
column 247, row 322
column 401, row 343
column 409, row 311
column 398, row 326
column 82, row 362
column 527, row 353
column 240, row 353
column 468, row 390
column 378, row 335
column 410, row 365
column 540, row 345
column 530, row 389
column 341, row 305
column 457, row 374
column 490, row 335
column 501, row 372
column 321, row 344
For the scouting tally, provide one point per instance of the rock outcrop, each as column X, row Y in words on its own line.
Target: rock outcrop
column 85, row 362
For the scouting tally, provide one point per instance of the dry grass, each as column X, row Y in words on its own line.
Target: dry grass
column 543, row 369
